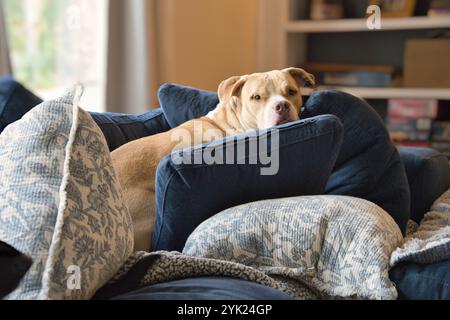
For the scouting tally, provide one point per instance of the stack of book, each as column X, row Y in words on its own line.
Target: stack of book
column 353, row 75
column 439, row 8
column 410, row 121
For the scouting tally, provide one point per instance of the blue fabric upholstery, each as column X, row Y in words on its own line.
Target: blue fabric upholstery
column 15, row 101
column 210, row 288
column 181, row 104
column 429, row 177
column 187, row 195
column 422, row 282
column 120, row 129
column 368, row 166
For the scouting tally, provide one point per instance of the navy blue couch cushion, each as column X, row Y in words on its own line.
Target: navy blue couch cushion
column 181, row 104
column 368, row 165
column 422, row 282
column 120, row 129
column 15, row 101
column 428, row 176
column 187, row 195
column 209, row 288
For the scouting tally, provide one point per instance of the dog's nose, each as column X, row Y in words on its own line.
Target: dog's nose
column 281, row 107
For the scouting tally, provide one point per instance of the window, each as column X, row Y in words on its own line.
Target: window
column 56, row 43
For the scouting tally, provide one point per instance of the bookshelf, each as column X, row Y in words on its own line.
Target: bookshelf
column 389, row 93
column 359, row 25
column 289, row 38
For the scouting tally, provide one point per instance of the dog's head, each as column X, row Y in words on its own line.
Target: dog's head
column 264, row 100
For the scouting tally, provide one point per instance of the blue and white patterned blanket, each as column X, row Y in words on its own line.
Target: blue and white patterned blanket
column 320, row 247
column 337, row 246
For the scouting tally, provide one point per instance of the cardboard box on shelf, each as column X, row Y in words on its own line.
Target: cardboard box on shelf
column 427, row 63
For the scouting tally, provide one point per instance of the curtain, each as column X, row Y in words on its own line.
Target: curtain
column 5, row 64
column 131, row 68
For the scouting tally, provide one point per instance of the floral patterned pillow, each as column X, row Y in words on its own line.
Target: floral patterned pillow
column 337, row 246
column 60, row 202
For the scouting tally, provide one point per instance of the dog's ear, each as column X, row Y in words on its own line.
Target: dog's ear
column 231, row 87
column 302, row 77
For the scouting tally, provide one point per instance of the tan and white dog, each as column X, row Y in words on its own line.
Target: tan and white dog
column 250, row 102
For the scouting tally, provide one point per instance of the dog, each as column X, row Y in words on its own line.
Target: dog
column 250, row 102
column 13, row 267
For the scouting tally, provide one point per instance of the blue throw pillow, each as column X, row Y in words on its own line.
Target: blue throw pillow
column 187, row 195
column 422, row 282
column 120, row 129
column 15, row 101
column 181, row 104
column 368, row 165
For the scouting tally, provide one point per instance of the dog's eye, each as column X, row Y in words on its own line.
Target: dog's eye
column 256, row 97
column 292, row 93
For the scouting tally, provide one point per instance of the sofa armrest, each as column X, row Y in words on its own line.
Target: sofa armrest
column 120, row 129
column 428, row 174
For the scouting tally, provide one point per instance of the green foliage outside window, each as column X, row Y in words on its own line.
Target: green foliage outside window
column 33, row 30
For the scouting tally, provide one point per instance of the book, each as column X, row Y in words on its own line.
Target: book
column 407, row 129
column 415, row 144
column 353, row 75
column 413, row 108
column 344, row 67
column 356, row 79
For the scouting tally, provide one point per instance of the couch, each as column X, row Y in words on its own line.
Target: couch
column 428, row 175
column 427, row 171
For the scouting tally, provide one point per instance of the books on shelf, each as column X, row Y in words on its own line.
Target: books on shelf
column 414, row 144
column 353, row 75
column 439, row 8
column 356, row 79
column 413, row 108
column 407, row 129
column 441, row 131
column 410, row 122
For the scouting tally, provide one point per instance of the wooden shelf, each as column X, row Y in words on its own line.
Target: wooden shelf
column 352, row 25
column 389, row 93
